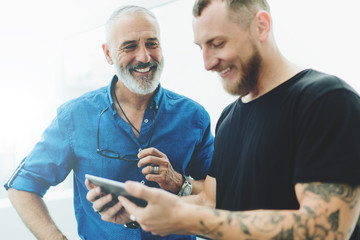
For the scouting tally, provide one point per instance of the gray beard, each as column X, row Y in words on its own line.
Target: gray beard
column 144, row 85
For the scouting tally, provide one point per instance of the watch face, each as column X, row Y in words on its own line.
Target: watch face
column 187, row 190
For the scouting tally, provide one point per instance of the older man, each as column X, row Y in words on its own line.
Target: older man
column 131, row 130
column 287, row 157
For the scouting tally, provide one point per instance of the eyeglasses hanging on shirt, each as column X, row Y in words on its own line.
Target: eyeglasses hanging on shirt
column 115, row 155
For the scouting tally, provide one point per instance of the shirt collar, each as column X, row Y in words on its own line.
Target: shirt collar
column 154, row 101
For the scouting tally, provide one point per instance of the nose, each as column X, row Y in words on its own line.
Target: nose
column 143, row 54
column 210, row 61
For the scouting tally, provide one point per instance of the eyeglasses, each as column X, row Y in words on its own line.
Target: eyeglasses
column 115, row 155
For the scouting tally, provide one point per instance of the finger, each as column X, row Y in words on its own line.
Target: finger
column 150, row 151
column 156, row 178
column 150, row 160
column 89, row 184
column 147, row 170
column 129, row 206
column 94, row 194
column 100, row 204
column 139, row 190
column 116, row 209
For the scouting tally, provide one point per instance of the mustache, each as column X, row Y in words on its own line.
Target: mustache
column 150, row 64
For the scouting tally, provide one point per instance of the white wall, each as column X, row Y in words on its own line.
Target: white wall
column 60, row 205
column 322, row 34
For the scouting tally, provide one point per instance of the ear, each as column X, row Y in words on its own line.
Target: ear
column 263, row 25
column 106, row 51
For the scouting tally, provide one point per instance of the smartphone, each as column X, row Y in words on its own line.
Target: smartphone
column 115, row 188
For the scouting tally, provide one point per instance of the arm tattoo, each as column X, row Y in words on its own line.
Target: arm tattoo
column 347, row 193
column 315, row 222
column 206, row 230
column 242, row 226
column 312, row 226
column 267, row 223
column 284, row 234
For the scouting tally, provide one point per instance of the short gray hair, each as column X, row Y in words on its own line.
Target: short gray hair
column 126, row 10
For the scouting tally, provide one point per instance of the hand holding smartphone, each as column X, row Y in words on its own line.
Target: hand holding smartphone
column 114, row 187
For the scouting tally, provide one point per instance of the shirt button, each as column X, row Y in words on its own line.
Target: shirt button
column 143, row 182
column 140, row 150
column 146, row 120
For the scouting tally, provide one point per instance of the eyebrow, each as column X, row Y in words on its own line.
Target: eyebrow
column 153, row 39
column 134, row 41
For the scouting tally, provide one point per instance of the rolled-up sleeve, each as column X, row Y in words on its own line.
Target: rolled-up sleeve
column 49, row 162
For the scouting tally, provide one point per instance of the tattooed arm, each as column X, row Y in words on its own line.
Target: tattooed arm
column 327, row 211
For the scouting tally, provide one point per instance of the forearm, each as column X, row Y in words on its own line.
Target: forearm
column 199, row 199
column 197, row 186
column 327, row 211
column 222, row 224
column 263, row 224
column 32, row 210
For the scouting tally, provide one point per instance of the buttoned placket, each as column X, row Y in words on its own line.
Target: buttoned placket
column 145, row 132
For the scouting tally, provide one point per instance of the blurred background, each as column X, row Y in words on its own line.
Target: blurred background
column 50, row 52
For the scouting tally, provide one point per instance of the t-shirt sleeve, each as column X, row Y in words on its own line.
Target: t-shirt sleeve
column 48, row 163
column 215, row 163
column 212, row 168
column 328, row 139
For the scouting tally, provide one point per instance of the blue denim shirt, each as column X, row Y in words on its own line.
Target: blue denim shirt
column 182, row 132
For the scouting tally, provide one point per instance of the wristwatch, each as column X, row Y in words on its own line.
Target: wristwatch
column 186, row 188
column 132, row 225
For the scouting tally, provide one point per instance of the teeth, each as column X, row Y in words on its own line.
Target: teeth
column 224, row 71
column 142, row 70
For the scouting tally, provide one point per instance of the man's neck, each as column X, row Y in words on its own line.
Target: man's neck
column 130, row 106
column 274, row 71
column 131, row 100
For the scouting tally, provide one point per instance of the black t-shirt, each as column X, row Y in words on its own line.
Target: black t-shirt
column 305, row 130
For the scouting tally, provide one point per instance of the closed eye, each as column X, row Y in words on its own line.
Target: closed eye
column 129, row 47
column 217, row 44
column 152, row 45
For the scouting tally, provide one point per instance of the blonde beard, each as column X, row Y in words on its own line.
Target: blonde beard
column 249, row 77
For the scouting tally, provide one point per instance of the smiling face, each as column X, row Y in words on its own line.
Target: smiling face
column 134, row 49
column 228, row 48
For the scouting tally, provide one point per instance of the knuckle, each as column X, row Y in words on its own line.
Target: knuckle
column 88, row 196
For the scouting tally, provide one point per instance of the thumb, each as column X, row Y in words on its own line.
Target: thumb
column 130, row 207
column 139, row 190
